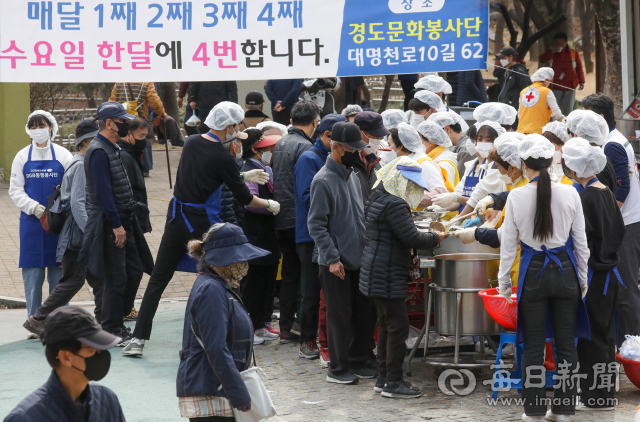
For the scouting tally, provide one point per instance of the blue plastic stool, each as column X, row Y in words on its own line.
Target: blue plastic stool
column 514, row 379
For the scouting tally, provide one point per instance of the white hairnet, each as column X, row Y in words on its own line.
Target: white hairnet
column 410, row 138
column 392, row 117
column 458, row 118
column 434, row 83
column 351, row 109
column 496, row 126
column 224, row 114
column 433, row 133
column 535, row 146
column 542, row 74
column 442, row 119
column 50, row 118
column 518, row 135
column 506, row 146
column 588, row 125
column 430, row 99
column 582, row 158
column 557, row 128
column 275, row 125
column 496, row 112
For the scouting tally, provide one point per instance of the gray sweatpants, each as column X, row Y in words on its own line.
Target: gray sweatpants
column 629, row 298
column 565, row 100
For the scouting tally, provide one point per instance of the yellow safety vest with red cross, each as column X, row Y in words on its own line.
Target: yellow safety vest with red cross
column 534, row 111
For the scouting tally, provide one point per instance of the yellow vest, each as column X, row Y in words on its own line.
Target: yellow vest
column 448, row 216
column 534, row 112
column 516, row 263
column 565, row 181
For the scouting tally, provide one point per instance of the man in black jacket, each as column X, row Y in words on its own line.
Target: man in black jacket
column 206, row 95
column 514, row 80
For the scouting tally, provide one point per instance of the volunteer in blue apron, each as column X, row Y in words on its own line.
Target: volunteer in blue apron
column 605, row 230
column 547, row 218
column 35, row 172
column 207, row 161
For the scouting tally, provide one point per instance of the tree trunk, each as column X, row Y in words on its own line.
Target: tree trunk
column 386, row 92
column 105, row 92
column 586, row 14
column 601, row 66
column 91, row 101
column 608, row 15
column 167, row 93
column 499, row 38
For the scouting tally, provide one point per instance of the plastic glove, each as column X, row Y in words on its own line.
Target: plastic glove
column 466, row 236
column 435, row 208
column 39, row 210
column 506, row 292
column 258, row 176
column 473, row 222
column 446, row 199
column 584, row 288
column 245, row 407
column 481, row 206
column 274, row 207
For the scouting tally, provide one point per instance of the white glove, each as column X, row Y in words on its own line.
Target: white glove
column 435, row 208
column 506, row 292
column 274, row 207
column 445, row 200
column 258, row 176
column 482, row 205
column 39, row 210
column 467, row 235
column 584, row 289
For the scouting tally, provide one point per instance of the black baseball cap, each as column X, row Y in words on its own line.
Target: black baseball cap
column 371, row 123
column 507, row 51
column 254, row 98
column 348, row 133
column 72, row 322
column 112, row 109
column 86, row 129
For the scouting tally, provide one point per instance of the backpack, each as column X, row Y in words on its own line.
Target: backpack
column 53, row 221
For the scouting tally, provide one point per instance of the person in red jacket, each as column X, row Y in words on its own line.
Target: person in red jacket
column 569, row 73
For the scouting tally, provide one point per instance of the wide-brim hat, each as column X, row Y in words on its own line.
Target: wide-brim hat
column 414, row 174
column 229, row 246
column 266, row 142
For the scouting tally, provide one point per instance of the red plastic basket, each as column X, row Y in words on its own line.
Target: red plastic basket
column 631, row 369
column 503, row 312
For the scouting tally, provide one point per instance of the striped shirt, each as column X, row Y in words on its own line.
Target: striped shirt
column 203, row 406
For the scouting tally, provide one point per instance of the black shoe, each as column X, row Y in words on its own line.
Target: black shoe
column 145, row 173
column 400, row 390
column 347, row 378
column 125, row 335
column 364, row 372
column 380, row 383
column 289, row 337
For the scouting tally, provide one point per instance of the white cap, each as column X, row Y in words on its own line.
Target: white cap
column 495, row 125
column 496, row 112
column 535, row 146
column 430, row 99
column 543, row 74
column 506, row 146
column 351, row 109
column 224, row 114
column 433, row 133
column 275, row 125
column 582, row 158
column 434, row 83
column 588, row 125
column 410, row 138
column 559, row 129
column 392, row 117
column 50, row 118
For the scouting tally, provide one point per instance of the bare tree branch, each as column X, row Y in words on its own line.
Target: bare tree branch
column 525, row 45
column 512, row 31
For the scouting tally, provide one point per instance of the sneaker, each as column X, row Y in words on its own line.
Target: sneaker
column 309, row 350
column 270, row 328
column 380, row 383
column 365, row 372
column 296, row 328
column 133, row 315
column 274, row 317
column 125, row 335
column 533, row 418
column 265, row 335
column 257, row 340
column 276, row 303
column 508, row 350
column 35, row 326
column 581, row 406
column 324, row 358
column 400, row 390
column 134, row 348
column 550, row 416
column 32, row 336
column 347, row 378
column 289, row 337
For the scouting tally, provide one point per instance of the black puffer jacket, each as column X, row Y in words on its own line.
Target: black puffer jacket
column 390, row 235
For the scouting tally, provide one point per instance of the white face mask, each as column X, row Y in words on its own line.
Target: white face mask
column 266, row 158
column 483, row 148
column 416, row 120
column 39, row 135
column 374, row 146
column 471, row 147
column 506, row 179
column 504, row 62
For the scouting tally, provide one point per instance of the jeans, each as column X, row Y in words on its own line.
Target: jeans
column 33, row 279
column 558, row 296
column 256, row 289
column 290, row 284
column 73, row 277
column 393, row 330
column 565, row 99
column 349, row 324
column 310, row 289
column 147, row 155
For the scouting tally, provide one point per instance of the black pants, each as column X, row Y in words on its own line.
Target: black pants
column 598, row 355
column 73, row 276
column 135, row 271
column 393, row 330
column 283, row 117
column 407, row 87
column 256, row 289
column 556, row 295
column 629, row 298
column 173, row 246
column 349, row 324
column 213, row 419
column 310, row 290
column 290, row 285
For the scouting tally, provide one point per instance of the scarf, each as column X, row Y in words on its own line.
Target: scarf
column 397, row 184
column 233, row 273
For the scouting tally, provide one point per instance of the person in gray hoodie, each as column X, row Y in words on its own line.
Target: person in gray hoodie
column 336, row 224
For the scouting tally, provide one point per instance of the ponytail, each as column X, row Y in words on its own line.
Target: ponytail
column 543, row 220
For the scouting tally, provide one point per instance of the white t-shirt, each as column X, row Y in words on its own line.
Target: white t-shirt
column 430, row 171
column 444, row 160
column 631, row 207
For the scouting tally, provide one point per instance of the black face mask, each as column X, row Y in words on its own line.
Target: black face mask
column 96, row 366
column 350, row 159
column 140, row 144
column 123, row 128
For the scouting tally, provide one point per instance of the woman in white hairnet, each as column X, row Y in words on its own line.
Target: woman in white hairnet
column 500, row 113
column 556, row 132
column 538, row 103
column 422, row 105
column 351, row 111
column 456, row 129
column 547, row 220
column 436, row 143
column 36, row 170
column 437, row 85
column 604, row 227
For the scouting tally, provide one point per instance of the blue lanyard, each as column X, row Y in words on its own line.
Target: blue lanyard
column 535, row 179
column 590, row 182
column 214, row 137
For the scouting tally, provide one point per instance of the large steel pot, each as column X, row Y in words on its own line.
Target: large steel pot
column 461, row 276
column 453, row 245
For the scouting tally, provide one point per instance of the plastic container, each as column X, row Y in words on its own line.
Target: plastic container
column 503, row 312
column 631, row 369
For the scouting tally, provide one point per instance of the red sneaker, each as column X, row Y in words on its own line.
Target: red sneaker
column 324, row 357
column 270, row 328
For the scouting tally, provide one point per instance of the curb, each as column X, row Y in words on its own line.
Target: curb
column 18, row 303
column 13, row 303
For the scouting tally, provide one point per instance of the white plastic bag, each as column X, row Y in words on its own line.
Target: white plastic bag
column 193, row 120
column 630, row 348
column 261, row 404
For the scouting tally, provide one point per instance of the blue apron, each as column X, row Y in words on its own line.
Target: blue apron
column 470, row 182
column 37, row 248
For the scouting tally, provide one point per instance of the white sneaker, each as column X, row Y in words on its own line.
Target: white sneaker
column 509, row 349
column 264, row 334
column 581, row 406
column 532, row 418
column 257, row 340
column 553, row 417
